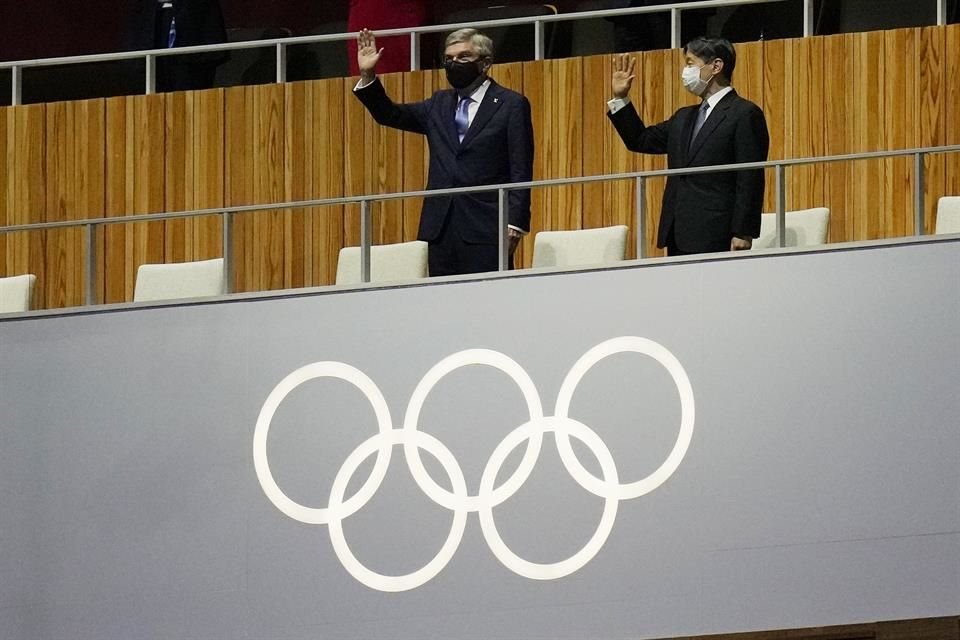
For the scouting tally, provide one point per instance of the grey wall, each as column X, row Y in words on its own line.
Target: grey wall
column 821, row 485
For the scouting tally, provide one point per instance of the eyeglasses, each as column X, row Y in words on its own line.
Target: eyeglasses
column 463, row 57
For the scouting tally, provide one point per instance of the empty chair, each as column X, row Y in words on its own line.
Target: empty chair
column 16, row 292
column 388, row 263
column 180, row 280
column 948, row 215
column 805, row 228
column 579, row 248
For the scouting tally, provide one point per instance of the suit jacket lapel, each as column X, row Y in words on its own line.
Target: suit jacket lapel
column 718, row 115
column 491, row 102
column 446, row 115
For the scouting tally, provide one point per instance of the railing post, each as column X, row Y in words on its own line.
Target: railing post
column 919, row 216
column 89, row 265
column 151, row 74
column 641, row 209
column 227, row 251
column 538, row 40
column 503, row 219
column 366, row 240
column 281, row 63
column 414, row 51
column 941, row 12
column 674, row 28
column 808, row 20
column 16, row 86
column 781, row 206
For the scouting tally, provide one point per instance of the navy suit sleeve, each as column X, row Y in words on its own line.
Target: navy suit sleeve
column 637, row 136
column 520, row 150
column 752, row 143
column 407, row 117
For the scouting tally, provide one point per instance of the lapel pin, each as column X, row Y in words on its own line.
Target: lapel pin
column 496, row 100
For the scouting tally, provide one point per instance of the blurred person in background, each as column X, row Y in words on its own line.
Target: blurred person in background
column 166, row 24
column 386, row 14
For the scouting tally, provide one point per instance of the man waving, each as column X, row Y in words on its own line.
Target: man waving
column 478, row 133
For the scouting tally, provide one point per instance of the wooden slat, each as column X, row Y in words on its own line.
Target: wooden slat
column 207, row 181
column 596, row 90
column 27, row 195
column 298, row 171
column 354, row 171
column 178, row 167
column 417, row 86
column 328, row 177
column 568, row 130
column 7, row 131
column 838, row 134
column 932, row 93
column 902, row 131
column 239, row 181
column 148, row 179
column 387, row 173
column 268, row 164
column 804, row 118
column 537, row 90
column 951, row 112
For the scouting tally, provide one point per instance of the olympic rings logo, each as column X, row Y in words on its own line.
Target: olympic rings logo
column 489, row 496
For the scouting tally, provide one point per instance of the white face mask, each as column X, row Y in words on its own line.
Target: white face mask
column 692, row 81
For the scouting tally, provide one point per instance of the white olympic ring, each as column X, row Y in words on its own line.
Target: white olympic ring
column 488, row 496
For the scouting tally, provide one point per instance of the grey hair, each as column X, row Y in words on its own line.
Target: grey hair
column 481, row 43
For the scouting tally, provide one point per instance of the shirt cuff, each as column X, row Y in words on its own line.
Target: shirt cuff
column 617, row 103
column 363, row 85
column 522, row 232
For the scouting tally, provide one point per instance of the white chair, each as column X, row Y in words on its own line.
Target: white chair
column 805, row 228
column 578, row 248
column 388, row 263
column 16, row 292
column 179, row 280
column 948, row 215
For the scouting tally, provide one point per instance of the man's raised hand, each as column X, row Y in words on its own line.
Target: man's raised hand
column 623, row 66
column 367, row 54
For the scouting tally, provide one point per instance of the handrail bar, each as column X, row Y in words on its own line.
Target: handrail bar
column 336, row 37
column 510, row 186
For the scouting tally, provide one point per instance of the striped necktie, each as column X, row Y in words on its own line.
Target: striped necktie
column 462, row 119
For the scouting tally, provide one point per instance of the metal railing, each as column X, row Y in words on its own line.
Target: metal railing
column 640, row 178
column 414, row 33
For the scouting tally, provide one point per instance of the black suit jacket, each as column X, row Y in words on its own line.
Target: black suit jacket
column 497, row 148
column 705, row 211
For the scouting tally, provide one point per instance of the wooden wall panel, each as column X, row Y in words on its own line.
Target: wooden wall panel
column 140, row 154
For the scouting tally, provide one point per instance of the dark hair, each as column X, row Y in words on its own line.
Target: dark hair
column 715, row 48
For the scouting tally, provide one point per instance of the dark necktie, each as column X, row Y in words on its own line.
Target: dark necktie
column 701, row 118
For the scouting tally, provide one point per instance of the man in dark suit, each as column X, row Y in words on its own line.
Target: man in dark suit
column 478, row 133
column 163, row 24
column 711, row 211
